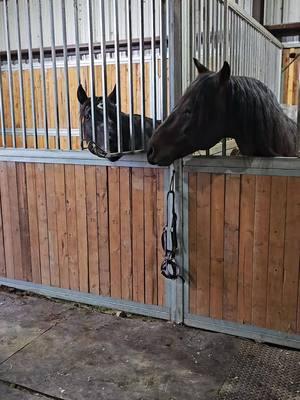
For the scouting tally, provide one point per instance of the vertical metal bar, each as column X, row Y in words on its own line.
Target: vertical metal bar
column 21, row 76
column 200, row 37
column 66, row 73
column 54, row 75
column 213, row 33
column 142, row 71
column 118, row 82
column 153, row 63
column 104, row 75
column 298, row 117
column 230, row 37
column 221, row 40
column 77, row 51
column 31, row 74
column 217, row 33
column 92, row 70
column 240, row 36
column 225, row 54
column 130, row 78
column 175, row 62
column 42, row 60
column 163, row 57
column 2, row 116
column 207, row 36
column 10, row 75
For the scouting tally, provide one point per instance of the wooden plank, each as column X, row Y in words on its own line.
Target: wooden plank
column 138, row 232
column 260, row 250
column 126, row 232
column 150, row 236
column 276, row 251
column 6, row 220
column 72, row 227
column 52, row 225
column 217, row 245
column 203, row 243
column 42, row 222
column 291, row 258
column 62, row 232
column 24, row 221
column 81, row 228
column 231, row 247
column 91, row 207
column 103, row 230
column 2, row 252
column 247, row 212
column 193, row 242
column 15, row 219
column 160, row 212
column 114, row 230
column 33, row 223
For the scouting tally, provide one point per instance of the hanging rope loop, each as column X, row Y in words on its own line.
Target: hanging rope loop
column 169, row 267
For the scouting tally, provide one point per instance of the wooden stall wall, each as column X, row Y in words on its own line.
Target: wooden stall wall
column 244, row 249
column 290, row 77
column 74, row 105
column 88, row 228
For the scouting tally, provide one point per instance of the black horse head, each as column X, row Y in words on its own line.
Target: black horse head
column 216, row 106
column 112, row 125
column 86, row 118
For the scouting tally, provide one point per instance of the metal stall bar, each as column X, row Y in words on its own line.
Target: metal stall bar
column 205, row 37
column 163, row 58
column 30, row 58
column 103, row 73
column 153, row 64
column 77, row 51
column 2, row 116
column 130, row 77
column 217, row 33
column 175, row 73
column 92, row 69
column 54, row 75
column 225, row 55
column 42, row 60
column 142, row 70
column 118, row 81
column 66, row 73
column 208, row 64
column 298, row 120
column 200, row 53
column 213, row 33
column 10, row 75
column 21, row 76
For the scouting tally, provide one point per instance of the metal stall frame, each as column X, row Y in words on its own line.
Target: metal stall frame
column 280, row 166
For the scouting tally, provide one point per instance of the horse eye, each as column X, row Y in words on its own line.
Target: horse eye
column 187, row 112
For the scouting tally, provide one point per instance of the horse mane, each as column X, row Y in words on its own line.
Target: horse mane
column 258, row 114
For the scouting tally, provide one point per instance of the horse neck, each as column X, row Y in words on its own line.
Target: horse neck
column 257, row 122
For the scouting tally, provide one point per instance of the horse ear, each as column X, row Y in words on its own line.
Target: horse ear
column 200, row 67
column 224, row 73
column 81, row 95
column 113, row 96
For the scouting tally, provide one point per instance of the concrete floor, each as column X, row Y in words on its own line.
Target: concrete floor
column 57, row 350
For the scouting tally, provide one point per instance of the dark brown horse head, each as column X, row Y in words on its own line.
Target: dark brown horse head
column 197, row 121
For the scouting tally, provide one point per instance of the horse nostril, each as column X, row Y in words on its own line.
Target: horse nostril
column 150, row 153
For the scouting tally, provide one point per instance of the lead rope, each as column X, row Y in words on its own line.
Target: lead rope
column 169, row 267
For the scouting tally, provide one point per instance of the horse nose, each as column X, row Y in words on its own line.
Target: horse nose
column 151, row 154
